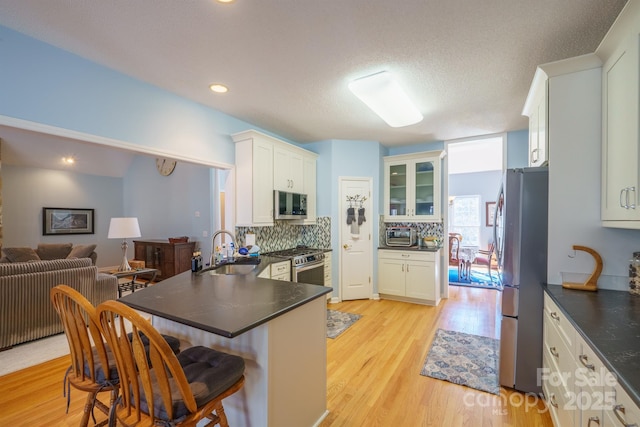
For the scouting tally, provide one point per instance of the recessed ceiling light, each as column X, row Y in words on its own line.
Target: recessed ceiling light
column 68, row 160
column 385, row 97
column 218, row 88
column 225, row 1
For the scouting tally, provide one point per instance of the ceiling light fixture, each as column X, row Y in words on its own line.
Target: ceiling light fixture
column 68, row 160
column 225, row 1
column 218, row 88
column 385, row 97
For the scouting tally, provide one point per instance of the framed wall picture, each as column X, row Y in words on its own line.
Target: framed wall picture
column 67, row 221
column 490, row 208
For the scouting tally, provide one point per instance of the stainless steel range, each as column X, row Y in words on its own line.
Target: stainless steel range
column 307, row 264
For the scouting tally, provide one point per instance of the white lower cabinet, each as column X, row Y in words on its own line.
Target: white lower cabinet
column 277, row 271
column 578, row 388
column 281, row 271
column 409, row 276
column 327, row 270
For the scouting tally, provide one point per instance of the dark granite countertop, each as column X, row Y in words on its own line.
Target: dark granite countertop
column 411, row 248
column 609, row 321
column 226, row 305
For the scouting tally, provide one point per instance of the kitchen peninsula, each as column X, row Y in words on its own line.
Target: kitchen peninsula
column 278, row 327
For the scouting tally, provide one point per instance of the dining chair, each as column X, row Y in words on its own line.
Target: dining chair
column 454, row 248
column 92, row 369
column 164, row 388
column 483, row 257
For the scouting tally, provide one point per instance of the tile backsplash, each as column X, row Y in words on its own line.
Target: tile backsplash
column 285, row 235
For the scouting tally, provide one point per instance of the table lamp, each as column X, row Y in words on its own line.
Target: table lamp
column 124, row 228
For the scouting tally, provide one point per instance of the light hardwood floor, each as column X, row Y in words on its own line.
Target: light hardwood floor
column 374, row 368
column 373, row 373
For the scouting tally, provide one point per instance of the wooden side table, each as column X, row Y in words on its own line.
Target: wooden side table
column 149, row 274
column 169, row 258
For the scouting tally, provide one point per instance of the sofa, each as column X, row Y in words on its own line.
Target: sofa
column 26, row 312
column 49, row 251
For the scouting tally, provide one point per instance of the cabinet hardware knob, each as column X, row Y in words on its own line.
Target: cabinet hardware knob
column 620, row 198
column 552, row 400
column 554, row 352
column 596, row 420
column 554, row 315
column 620, row 412
column 585, row 362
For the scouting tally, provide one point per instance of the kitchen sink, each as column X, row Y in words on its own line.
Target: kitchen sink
column 238, row 269
column 240, row 266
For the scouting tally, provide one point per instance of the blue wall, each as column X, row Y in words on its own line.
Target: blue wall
column 26, row 191
column 518, row 149
column 44, row 84
column 142, row 191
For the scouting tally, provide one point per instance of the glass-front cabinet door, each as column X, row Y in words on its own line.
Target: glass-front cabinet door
column 423, row 186
column 412, row 187
column 397, row 190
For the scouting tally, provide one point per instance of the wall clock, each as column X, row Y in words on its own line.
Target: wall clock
column 165, row 166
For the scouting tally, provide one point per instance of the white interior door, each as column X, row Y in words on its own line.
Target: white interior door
column 356, row 246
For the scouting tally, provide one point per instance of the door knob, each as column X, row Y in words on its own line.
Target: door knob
column 345, row 246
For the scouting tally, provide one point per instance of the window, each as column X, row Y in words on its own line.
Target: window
column 464, row 218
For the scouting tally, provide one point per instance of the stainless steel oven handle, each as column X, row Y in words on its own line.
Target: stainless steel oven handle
column 309, row 266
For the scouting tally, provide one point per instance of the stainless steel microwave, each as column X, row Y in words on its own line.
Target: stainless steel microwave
column 288, row 205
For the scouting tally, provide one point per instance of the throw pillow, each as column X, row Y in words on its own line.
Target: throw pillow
column 49, row 251
column 81, row 251
column 20, row 254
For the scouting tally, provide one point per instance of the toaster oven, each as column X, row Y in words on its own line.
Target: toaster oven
column 400, row 236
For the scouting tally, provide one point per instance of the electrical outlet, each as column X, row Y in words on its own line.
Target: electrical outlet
column 198, row 215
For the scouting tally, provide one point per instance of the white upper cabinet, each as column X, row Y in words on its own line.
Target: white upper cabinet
column 254, row 180
column 620, row 54
column 288, row 169
column 536, row 109
column 412, row 187
column 265, row 164
column 620, row 178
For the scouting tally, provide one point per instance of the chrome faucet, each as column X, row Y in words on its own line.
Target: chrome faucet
column 212, row 260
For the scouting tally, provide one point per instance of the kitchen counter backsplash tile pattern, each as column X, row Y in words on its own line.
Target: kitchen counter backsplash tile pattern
column 285, row 235
column 423, row 229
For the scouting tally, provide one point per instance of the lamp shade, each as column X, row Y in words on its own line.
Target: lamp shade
column 123, row 228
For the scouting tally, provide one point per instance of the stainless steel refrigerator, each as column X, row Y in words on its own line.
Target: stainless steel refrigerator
column 520, row 233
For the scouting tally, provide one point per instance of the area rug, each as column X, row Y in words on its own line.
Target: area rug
column 338, row 322
column 479, row 279
column 464, row 359
column 33, row 353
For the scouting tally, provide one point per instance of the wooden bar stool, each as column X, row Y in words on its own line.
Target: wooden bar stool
column 92, row 369
column 165, row 389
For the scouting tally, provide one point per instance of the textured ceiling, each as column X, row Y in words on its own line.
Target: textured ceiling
column 468, row 64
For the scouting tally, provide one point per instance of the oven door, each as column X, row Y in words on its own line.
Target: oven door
column 310, row 273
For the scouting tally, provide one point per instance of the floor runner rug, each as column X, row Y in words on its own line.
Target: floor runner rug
column 338, row 322
column 479, row 279
column 464, row 359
